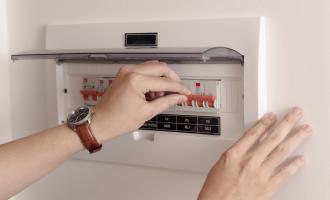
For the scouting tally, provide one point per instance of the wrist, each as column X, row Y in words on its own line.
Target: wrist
column 67, row 138
column 208, row 193
column 79, row 121
column 101, row 128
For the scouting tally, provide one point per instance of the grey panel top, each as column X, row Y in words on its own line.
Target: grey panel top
column 132, row 55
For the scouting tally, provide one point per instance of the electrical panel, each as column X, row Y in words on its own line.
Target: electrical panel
column 200, row 114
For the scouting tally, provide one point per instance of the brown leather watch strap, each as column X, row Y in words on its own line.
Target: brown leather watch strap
column 87, row 138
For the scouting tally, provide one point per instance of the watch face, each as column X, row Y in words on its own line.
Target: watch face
column 79, row 115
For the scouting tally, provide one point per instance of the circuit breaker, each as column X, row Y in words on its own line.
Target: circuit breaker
column 93, row 88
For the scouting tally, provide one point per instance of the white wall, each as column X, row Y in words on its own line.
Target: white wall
column 298, row 71
column 5, row 118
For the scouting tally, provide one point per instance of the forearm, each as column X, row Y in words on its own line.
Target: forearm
column 26, row 160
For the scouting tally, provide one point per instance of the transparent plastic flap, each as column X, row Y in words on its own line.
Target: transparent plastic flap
column 170, row 55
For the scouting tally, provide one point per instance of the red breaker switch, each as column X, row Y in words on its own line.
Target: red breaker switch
column 88, row 91
column 84, row 92
column 85, row 83
column 101, row 90
column 109, row 83
column 206, row 101
column 209, row 101
column 93, row 92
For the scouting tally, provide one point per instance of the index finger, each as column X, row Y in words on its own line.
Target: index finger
column 253, row 134
column 277, row 135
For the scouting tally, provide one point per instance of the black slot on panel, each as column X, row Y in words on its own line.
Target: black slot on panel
column 188, row 128
column 187, row 119
column 149, row 126
column 209, row 120
column 166, row 126
column 205, row 129
column 141, row 39
column 166, row 118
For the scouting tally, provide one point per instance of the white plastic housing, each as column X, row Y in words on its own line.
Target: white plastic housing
column 240, row 97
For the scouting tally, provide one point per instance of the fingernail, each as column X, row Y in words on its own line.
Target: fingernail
column 296, row 110
column 269, row 116
column 307, row 128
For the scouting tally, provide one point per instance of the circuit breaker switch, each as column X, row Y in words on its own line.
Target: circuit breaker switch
column 101, row 90
column 85, row 94
column 201, row 101
column 85, row 83
column 109, row 83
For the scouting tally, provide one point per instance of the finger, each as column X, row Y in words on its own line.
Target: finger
column 263, row 136
column 252, row 135
column 163, row 103
column 276, row 136
column 284, row 150
column 151, row 61
column 159, row 84
column 155, row 68
column 286, row 172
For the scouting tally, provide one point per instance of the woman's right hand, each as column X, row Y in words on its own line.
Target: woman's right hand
column 124, row 107
column 253, row 168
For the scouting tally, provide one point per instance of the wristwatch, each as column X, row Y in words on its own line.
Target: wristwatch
column 80, row 122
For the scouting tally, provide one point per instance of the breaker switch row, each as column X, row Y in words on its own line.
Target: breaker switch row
column 201, row 101
column 204, row 96
column 93, row 89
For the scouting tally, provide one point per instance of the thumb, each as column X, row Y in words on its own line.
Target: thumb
column 163, row 103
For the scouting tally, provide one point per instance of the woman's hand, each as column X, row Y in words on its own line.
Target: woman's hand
column 135, row 96
column 253, row 169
